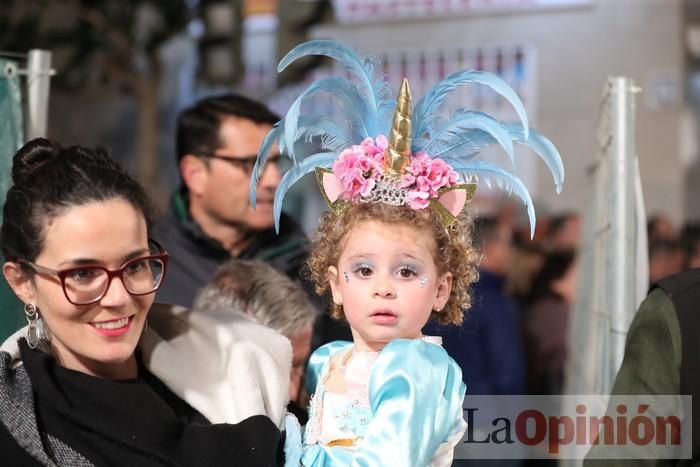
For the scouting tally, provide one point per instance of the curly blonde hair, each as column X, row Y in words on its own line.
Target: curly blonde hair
column 454, row 251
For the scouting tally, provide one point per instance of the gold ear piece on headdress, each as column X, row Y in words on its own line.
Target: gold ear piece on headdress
column 397, row 153
column 452, row 201
column 331, row 189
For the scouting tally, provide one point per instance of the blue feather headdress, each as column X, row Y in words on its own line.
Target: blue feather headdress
column 419, row 163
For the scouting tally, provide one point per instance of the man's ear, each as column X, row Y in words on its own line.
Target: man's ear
column 444, row 288
column 19, row 281
column 194, row 172
column 334, row 281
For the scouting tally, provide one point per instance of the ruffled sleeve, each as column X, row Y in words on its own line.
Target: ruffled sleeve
column 318, row 361
column 416, row 393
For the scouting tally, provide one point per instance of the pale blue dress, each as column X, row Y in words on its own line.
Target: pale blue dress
column 402, row 407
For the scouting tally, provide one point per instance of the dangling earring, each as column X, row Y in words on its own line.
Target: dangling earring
column 32, row 315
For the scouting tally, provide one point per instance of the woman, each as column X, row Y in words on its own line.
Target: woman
column 546, row 322
column 75, row 235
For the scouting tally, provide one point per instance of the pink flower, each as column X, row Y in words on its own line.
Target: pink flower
column 358, row 168
column 406, row 180
column 417, row 199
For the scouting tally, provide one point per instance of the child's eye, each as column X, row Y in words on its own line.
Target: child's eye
column 406, row 272
column 363, row 270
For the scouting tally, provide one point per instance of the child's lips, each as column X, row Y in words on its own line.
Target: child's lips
column 384, row 317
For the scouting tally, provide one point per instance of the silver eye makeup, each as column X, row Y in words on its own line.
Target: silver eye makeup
column 362, row 270
column 403, row 271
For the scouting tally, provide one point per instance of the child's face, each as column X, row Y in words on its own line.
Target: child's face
column 387, row 282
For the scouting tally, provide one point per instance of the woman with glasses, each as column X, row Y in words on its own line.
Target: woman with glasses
column 76, row 389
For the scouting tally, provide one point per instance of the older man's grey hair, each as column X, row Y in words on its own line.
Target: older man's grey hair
column 258, row 290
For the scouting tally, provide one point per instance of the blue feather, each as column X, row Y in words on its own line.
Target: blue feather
column 324, row 159
column 459, row 127
column 362, row 69
column 334, row 137
column 543, row 147
column 466, row 147
column 488, row 173
column 427, row 107
column 352, row 101
column 270, row 139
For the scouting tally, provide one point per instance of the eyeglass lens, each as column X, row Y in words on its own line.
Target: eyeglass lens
column 140, row 276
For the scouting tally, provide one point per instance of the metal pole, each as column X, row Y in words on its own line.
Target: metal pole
column 623, row 248
column 38, row 82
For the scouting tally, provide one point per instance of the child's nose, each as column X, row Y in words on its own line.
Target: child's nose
column 384, row 290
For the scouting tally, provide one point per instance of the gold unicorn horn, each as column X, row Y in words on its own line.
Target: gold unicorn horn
column 397, row 153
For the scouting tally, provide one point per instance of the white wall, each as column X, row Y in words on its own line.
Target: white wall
column 576, row 50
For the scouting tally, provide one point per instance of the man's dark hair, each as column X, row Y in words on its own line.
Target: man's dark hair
column 198, row 125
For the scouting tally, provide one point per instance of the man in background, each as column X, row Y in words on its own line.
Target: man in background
column 210, row 219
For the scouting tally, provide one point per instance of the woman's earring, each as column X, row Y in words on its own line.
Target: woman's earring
column 32, row 315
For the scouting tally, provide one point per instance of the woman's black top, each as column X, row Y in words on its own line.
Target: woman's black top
column 140, row 422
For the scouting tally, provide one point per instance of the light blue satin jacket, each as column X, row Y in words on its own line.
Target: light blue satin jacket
column 415, row 395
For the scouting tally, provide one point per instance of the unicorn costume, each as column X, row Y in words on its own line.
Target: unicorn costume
column 401, row 406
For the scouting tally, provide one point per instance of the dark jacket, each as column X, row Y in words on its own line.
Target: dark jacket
column 53, row 416
column 195, row 257
column 651, row 365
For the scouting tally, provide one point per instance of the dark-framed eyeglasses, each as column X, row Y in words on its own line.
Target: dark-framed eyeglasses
column 84, row 285
column 247, row 163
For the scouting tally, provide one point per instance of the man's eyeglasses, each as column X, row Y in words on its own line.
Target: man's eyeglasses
column 84, row 285
column 247, row 163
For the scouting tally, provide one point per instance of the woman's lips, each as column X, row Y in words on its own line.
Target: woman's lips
column 113, row 327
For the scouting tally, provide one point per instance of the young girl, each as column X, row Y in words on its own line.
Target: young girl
column 394, row 250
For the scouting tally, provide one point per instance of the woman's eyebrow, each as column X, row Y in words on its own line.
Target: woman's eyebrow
column 94, row 261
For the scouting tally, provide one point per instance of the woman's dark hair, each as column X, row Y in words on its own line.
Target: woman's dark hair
column 49, row 178
column 556, row 264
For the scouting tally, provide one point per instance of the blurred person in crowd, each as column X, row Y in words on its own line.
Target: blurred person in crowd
column 488, row 345
column 660, row 227
column 546, row 322
column 564, row 232
column 528, row 258
column 271, row 299
column 87, row 382
column 690, row 242
column 665, row 258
